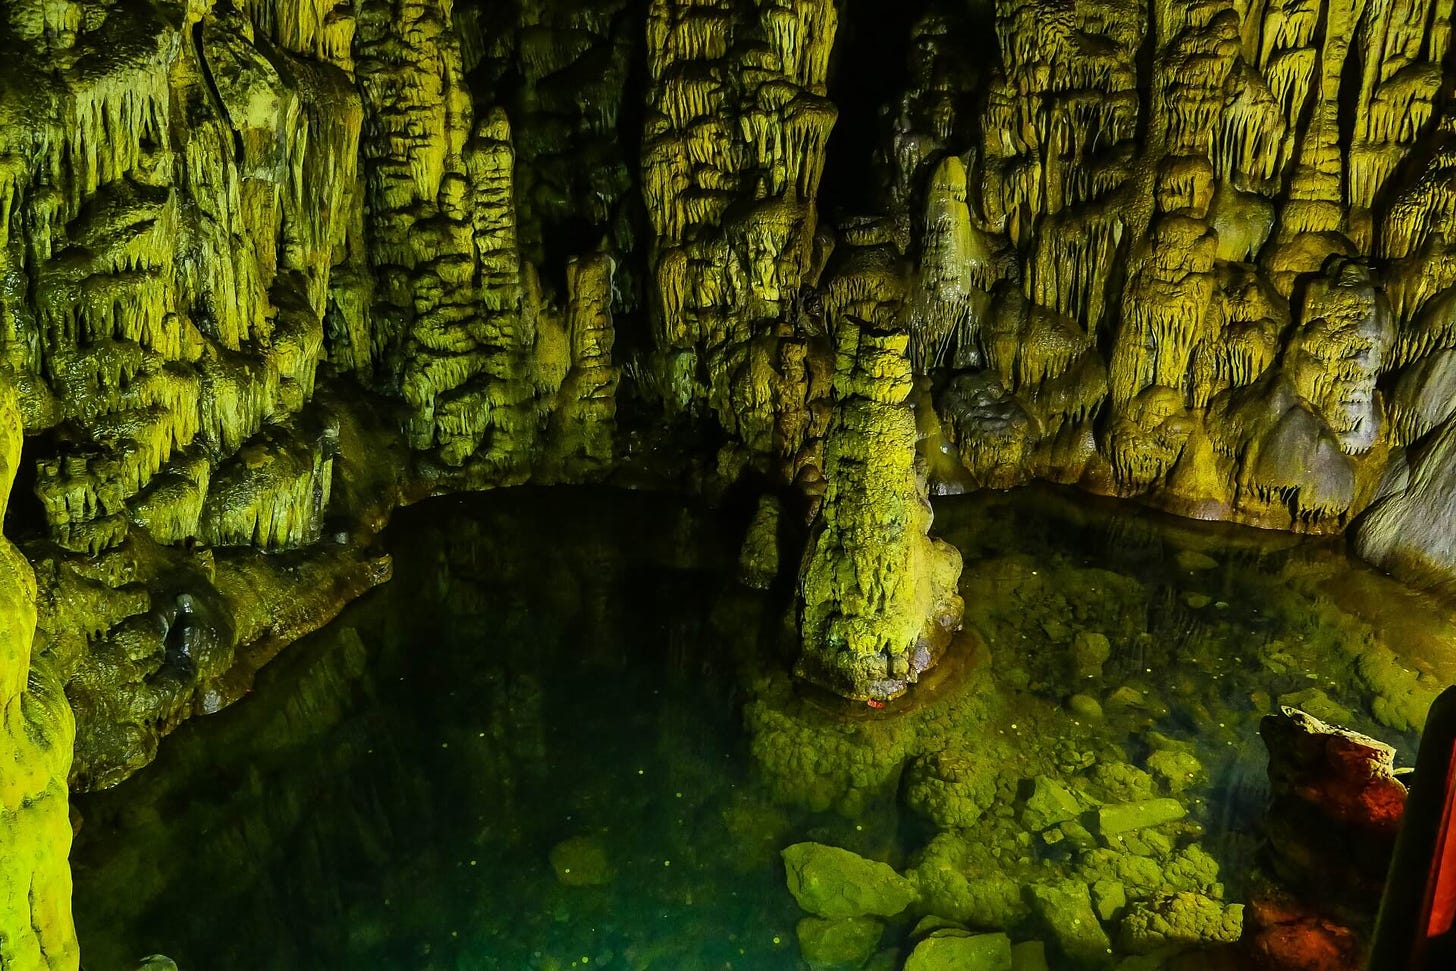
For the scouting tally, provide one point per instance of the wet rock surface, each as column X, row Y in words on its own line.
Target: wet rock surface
column 270, row 269
column 1335, row 808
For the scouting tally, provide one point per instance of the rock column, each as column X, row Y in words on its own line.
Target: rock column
column 36, row 736
column 878, row 593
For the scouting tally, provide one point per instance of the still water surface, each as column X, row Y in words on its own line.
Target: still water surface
column 556, row 680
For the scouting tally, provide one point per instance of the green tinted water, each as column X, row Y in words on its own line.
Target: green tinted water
column 571, row 681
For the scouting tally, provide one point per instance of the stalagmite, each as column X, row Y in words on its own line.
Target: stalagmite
column 878, row 595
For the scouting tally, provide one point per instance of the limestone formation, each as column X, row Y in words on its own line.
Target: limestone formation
column 733, row 151
column 36, row 735
column 879, row 594
column 1192, row 297
column 271, row 268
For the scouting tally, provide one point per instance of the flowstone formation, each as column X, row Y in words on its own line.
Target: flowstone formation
column 1192, row 253
column 36, row 735
column 879, row 595
column 271, row 268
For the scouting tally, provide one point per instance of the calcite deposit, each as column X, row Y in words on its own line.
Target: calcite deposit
column 37, row 732
column 271, row 268
column 879, row 594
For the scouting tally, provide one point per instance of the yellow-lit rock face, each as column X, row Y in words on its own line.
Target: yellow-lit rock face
column 269, row 268
column 212, row 216
column 733, row 151
column 1184, row 275
column 878, row 595
column 36, row 734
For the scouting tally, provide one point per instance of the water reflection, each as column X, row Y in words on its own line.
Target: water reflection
column 563, row 736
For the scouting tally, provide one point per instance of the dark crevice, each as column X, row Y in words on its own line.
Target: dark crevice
column 868, row 72
column 206, row 71
column 25, row 515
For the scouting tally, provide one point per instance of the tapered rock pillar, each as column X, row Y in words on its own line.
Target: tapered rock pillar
column 878, row 594
column 37, row 734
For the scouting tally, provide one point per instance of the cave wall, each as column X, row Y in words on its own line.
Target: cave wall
column 1196, row 251
column 270, row 268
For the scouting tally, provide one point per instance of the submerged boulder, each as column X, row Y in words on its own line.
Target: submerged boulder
column 581, row 862
column 839, row 944
column 1129, row 816
column 833, row 882
column 1048, row 804
column 1065, row 908
column 956, row 950
column 1181, row 918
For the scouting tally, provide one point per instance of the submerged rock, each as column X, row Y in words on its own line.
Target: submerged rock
column 156, row 962
column 1176, row 768
column 1090, row 651
column 1130, row 816
column 1065, row 909
column 833, row 882
column 1109, row 898
column 1183, row 918
column 758, row 560
column 952, row 789
column 581, row 862
column 839, row 944
column 953, row 950
column 1049, row 803
column 1029, row 956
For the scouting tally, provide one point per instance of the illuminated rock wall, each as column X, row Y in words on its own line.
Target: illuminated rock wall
column 36, row 735
column 270, row 268
column 259, row 284
column 1195, row 252
column 223, row 227
column 734, row 144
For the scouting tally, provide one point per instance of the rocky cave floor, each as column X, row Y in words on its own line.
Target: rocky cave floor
column 427, row 782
